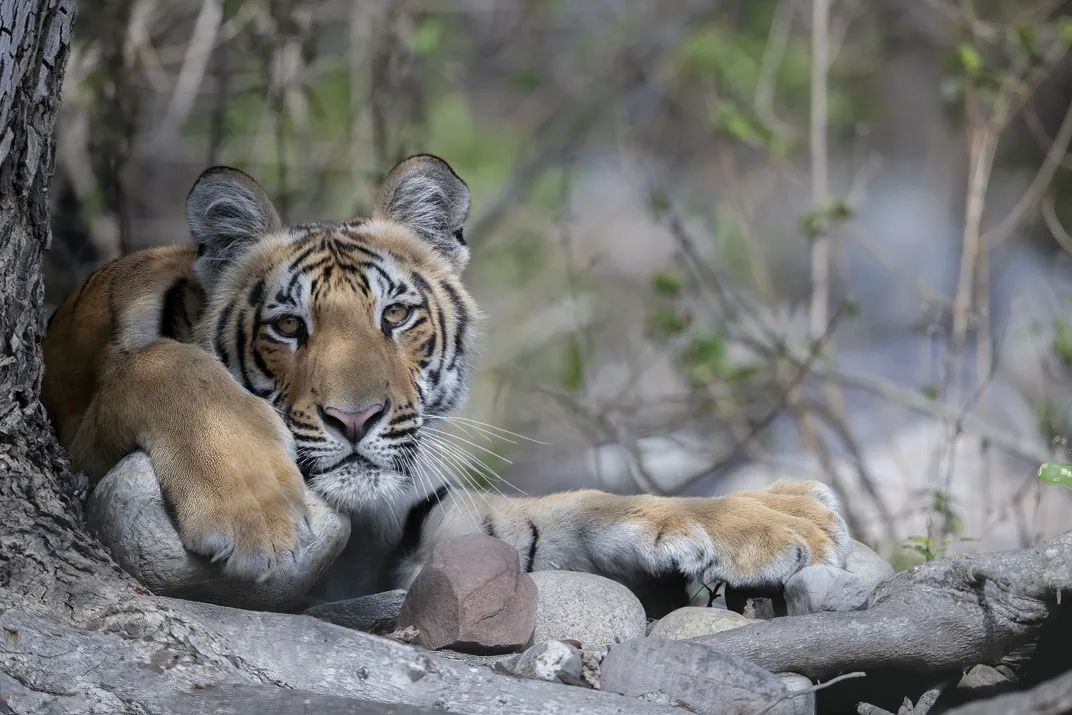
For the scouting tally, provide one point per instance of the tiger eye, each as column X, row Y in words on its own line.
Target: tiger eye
column 396, row 313
column 289, row 326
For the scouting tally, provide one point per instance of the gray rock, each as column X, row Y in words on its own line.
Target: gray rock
column 553, row 661
column 983, row 678
column 591, row 609
column 375, row 613
column 871, row 568
column 697, row 677
column 691, row 621
column 757, row 604
column 824, row 588
column 471, row 596
column 126, row 509
column 803, row 704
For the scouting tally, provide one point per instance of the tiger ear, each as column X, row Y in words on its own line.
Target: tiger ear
column 227, row 212
column 424, row 194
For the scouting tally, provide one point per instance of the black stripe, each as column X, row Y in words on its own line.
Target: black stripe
column 532, row 547
column 221, row 333
column 411, row 534
column 173, row 303
column 461, row 323
column 256, row 296
column 489, row 527
column 399, row 432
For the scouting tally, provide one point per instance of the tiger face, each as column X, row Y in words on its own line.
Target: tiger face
column 356, row 332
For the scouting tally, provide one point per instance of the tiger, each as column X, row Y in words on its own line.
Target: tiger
column 262, row 360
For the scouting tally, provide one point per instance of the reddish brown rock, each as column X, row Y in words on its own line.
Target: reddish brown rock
column 472, row 596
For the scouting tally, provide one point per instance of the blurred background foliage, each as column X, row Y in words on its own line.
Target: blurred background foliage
column 718, row 241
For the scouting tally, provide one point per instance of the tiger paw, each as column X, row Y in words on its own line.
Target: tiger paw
column 240, row 504
column 128, row 512
column 762, row 538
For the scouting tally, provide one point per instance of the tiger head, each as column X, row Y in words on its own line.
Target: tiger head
column 357, row 332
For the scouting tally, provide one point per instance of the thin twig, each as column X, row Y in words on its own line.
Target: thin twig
column 812, row 689
column 1055, row 156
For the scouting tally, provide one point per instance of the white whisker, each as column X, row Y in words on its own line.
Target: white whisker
column 462, row 439
column 475, row 424
column 475, row 463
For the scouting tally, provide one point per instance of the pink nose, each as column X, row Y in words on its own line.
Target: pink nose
column 354, row 424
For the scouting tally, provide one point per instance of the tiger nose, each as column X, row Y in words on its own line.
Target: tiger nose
column 353, row 423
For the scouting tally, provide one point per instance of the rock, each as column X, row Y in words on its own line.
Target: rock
column 375, row 613
column 824, row 588
column 803, row 704
column 698, row 678
column 127, row 511
column 471, row 596
column 553, row 661
column 871, row 568
column 691, row 621
column 983, row 679
column 756, row 604
column 591, row 609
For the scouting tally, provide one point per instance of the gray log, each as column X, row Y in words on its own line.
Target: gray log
column 941, row 615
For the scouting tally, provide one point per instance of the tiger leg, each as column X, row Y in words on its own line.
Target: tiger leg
column 748, row 539
column 220, row 454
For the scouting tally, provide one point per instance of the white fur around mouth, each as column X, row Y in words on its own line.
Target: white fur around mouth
column 352, row 486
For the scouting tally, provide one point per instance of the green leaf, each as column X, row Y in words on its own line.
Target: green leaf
column 813, row 224
column 1064, row 30
column 708, row 349
column 930, row 392
column 526, row 80
column 1056, row 473
column 667, row 321
column 427, row 37
column 669, row 284
column 969, row 58
column 573, row 367
column 839, row 209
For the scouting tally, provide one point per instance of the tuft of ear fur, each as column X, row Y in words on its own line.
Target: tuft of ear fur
column 424, row 194
column 227, row 212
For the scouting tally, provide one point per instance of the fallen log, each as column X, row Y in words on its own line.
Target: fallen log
column 145, row 654
column 937, row 617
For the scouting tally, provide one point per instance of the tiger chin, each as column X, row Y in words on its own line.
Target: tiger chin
column 264, row 357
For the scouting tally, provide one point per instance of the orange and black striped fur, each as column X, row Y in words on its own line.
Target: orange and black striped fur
column 265, row 355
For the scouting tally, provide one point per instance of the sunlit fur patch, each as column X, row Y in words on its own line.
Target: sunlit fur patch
column 338, row 278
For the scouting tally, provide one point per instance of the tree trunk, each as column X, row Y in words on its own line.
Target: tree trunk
column 44, row 552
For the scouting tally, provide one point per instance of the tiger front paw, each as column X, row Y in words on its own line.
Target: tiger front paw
column 238, row 498
column 760, row 539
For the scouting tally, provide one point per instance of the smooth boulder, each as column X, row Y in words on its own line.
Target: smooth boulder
column 472, row 597
column 824, row 588
column 692, row 621
column 593, row 610
column 127, row 511
column 868, row 566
